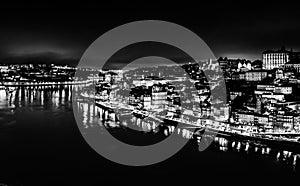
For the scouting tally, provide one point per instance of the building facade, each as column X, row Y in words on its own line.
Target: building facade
column 275, row 59
column 255, row 75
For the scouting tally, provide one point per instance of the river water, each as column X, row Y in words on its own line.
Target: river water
column 41, row 143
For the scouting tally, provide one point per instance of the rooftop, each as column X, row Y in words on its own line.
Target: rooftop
column 282, row 50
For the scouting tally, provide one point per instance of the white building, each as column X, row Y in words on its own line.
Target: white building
column 255, row 75
column 275, row 59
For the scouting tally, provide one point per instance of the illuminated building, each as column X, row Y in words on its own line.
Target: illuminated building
column 275, row 59
column 255, row 75
column 294, row 63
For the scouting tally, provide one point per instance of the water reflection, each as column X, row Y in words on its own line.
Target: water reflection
column 282, row 156
column 96, row 116
column 57, row 99
column 54, row 98
column 39, row 95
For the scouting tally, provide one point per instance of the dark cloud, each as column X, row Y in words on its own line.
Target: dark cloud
column 229, row 28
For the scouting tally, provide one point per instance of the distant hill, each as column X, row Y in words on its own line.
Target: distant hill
column 43, row 58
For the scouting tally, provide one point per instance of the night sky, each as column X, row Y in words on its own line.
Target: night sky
column 52, row 32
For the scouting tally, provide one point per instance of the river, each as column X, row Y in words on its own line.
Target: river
column 40, row 143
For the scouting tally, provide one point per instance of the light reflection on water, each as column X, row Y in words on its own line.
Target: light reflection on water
column 247, row 147
column 57, row 99
column 53, row 99
column 222, row 143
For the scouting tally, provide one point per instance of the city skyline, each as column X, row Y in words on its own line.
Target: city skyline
column 167, row 92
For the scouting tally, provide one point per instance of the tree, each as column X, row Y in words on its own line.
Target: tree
column 238, row 102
